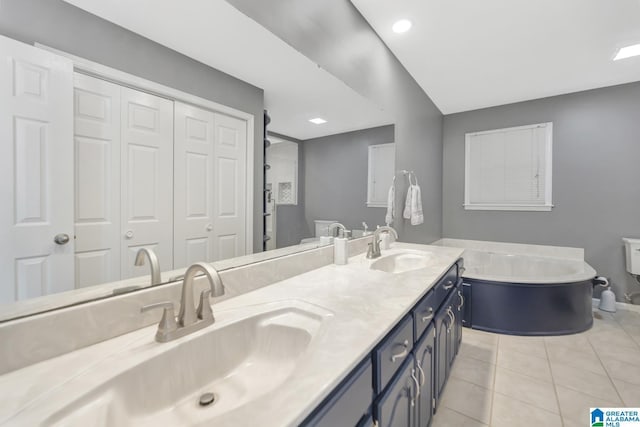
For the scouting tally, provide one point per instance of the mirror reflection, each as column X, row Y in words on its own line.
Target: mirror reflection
column 118, row 180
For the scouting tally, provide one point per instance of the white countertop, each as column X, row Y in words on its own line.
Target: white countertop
column 365, row 305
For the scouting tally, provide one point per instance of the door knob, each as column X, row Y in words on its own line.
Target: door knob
column 61, row 239
column 129, row 234
column 209, row 227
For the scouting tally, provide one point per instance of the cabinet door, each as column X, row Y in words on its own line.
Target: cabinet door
column 441, row 365
column 396, row 407
column 458, row 309
column 424, row 364
column 348, row 403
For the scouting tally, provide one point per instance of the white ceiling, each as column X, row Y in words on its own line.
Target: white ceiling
column 215, row 33
column 470, row 54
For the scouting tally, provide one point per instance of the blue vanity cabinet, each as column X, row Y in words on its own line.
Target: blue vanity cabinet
column 424, row 357
column 396, row 406
column 348, row 403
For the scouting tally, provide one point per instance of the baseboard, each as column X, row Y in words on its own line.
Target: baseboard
column 619, row 305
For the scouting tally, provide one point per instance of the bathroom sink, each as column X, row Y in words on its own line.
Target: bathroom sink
column 402, row 262
column 240, row 362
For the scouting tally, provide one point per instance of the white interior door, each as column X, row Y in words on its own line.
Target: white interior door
column 147, row 179
column 97, row 180
column 36, row 171
column 229, row 187
column 193, row 192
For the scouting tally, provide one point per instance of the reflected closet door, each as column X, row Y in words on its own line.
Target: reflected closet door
column 147, row 179
column 97, row 180
column 194, row 172
column 36, row 172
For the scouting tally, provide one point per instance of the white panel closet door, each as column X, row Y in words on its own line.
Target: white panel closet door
column 193, row 191
column 36, row 171
column 229, row 225
column 97, row 180
column 147, row 179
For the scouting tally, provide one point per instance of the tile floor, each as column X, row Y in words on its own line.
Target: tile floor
column 502, row 380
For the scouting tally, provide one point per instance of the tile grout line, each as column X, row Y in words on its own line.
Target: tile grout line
column 553, row 381
column 493, row 384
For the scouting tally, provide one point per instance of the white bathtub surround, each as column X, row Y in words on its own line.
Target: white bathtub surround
column 354, row 306
column 518, row 263
column 514, row 248
column 46, row 335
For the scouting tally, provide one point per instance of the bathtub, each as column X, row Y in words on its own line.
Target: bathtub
column 525, row 289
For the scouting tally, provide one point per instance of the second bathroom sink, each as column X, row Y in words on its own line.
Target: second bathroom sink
column 402, row 262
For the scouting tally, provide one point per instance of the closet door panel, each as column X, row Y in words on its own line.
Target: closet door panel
column 146, row 179
column 36, row 171
column 230, row 187
column 97, row 180
column 194, row 183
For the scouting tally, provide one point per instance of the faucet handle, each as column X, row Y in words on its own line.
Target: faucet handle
column 204, row 308
column 168, row 322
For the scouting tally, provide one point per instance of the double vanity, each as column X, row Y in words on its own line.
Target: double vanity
column 366, row 343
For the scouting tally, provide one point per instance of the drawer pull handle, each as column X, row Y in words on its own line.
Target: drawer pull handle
column 452, row 317
column 403, row 353
column 422, row 376
column 415, row 380
column 448, row 286
column 461, row 300
column 429, row 316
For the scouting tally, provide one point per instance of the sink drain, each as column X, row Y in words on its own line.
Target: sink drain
column 207, row 399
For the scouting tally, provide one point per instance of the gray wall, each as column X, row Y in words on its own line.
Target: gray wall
column 291, row 226
column 65, row 27
column 596, row 149
column 335, row 171
column 321, row 30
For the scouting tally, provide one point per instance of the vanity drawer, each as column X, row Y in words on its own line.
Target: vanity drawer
column 446, row 284
column 349, row 403
column 423, row 313
column 391, row 352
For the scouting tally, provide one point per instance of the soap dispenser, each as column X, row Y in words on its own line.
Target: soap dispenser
column 340, row 244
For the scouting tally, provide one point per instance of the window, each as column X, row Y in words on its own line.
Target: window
column 509, row 169
column 382, row 164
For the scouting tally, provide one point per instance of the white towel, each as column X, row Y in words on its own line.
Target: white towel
column 413, row 204
column 417, row 217
column 391, row 197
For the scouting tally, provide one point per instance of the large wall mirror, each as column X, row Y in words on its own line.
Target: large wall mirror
column 107, row 172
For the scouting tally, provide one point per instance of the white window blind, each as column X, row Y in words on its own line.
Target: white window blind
column 382, row 163
column 509, row 169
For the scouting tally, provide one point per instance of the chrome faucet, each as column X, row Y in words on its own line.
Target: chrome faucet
column 342, row 230
column 190, row 318
column 153, row 263
column 374, row 247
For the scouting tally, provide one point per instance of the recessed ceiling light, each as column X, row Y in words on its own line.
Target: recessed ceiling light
column 318, row 121
column 401, row 26
column 628, row 52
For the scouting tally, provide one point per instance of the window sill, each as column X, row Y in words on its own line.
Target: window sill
column 533, row 208
column 376, row 205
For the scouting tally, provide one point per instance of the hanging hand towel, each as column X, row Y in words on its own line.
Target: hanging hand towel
column 390, row 203
column 406, row 214
column 417, row 217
